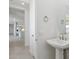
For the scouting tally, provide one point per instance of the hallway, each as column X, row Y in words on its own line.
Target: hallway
column 18, row 51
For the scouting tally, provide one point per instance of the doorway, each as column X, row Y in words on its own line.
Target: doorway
column 18, row 31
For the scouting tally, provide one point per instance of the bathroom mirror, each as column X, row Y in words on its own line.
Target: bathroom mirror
column 67, row 23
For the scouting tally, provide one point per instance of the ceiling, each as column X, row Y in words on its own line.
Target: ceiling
column 18, row 4
column 16, row 9
column 16, row 13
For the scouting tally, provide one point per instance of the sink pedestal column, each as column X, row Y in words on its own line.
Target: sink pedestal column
column 59, row 54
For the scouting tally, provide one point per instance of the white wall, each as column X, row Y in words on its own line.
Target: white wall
column 56, row 11
column 46, row 30
column 27, row 35
column 11, row 21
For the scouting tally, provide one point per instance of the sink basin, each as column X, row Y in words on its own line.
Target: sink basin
column 57, row 43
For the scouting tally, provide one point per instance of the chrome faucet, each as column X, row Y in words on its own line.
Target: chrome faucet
column 62, row 36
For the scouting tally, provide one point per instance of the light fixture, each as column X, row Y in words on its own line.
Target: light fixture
column 45, row 19
column 22, row 29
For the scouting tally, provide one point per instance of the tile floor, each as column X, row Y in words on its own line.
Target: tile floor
column 17, row 50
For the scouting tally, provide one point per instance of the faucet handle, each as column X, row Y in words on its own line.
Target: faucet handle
column 60, row 36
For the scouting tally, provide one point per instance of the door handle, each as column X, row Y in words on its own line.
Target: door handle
column 32, row 35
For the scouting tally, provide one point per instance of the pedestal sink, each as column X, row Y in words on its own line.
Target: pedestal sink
column 59, row 45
